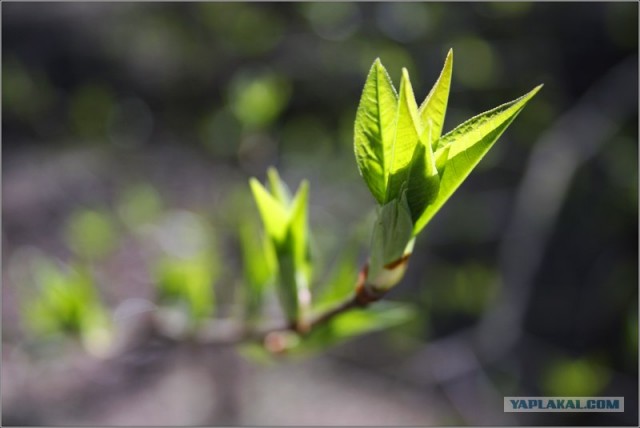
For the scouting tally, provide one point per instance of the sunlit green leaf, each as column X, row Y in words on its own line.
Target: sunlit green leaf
column 423, row 182
column 374, row 131
column 432, row 111
column 469, row 143
column 441, row 159
column 406, row 138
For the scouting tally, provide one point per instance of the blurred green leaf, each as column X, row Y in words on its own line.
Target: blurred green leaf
column 274, row 215
column 299, row 228
column 286, row 225
column 341, row 282
column 26, row 93
column 90, row 110
column 374, row 131
column 468, row 143
column 67, row 302
column 258, row 100
column 189, row 282
column 567, row 377
column 258, row 266
column 91, row 234
column 278, row 187
column 138, row 205
column 244, row 28
column 455, row 290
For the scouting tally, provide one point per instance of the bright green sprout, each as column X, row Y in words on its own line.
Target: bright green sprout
column 410, row 169
column 286, row 225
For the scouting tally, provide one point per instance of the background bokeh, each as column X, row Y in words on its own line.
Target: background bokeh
column 129, row 133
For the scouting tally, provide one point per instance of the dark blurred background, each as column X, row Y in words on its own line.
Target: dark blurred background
column 130, row 130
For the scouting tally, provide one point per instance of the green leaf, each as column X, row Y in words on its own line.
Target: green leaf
column 291, row 281
column 392, row 233
column 424, row 182
column 570, row 377
column 341, row 282
column 274, row 215
column 299, row 226
column 356, row 322
column 189, row 282
column 294, row 259
column 433, row 109
column 406, row 138
column 67, row 303
column 287, row 226
column 91, row 234
column 467, row 145
column 374, row 130
column 138, row 205
column 441, row 159
column 258, row 266
column 279, row 189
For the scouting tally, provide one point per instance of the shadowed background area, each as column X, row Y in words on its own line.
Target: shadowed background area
column 130, row 132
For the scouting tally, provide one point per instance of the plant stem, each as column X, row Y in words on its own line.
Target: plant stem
column 229, row 332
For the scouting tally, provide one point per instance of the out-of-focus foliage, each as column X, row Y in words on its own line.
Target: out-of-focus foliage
column 285, row 221
column 351, row 324
column 188, row 266
column 459, row 290
column 259, row 264
column 339, row 284
column 567, row 377
column 384, row 316
column 67, row 302
column 91, row 234
column 138, row 205
column 188, row 282
column 257, row 101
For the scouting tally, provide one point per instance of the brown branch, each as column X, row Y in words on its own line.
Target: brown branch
column 277, row 340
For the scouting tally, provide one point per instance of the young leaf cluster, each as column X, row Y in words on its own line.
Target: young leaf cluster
column 409, row 167
column 286, row 225
column 67, row 303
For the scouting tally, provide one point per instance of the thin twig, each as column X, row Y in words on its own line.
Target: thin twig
column 275, row 340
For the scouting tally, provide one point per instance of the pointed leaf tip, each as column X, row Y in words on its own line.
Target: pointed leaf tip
column 374, row 129
column 433, row 109
column 406, row 137
column 467, row 144
column 273, row 214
